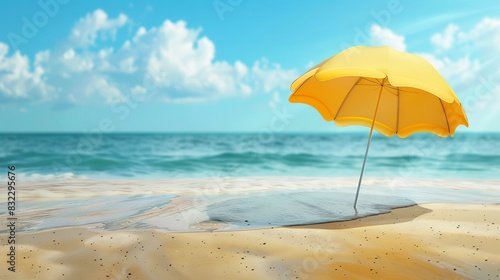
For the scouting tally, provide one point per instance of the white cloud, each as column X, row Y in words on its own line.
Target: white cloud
column 271, row 76
column 87, row 29
column 484, row 38
column 275, row 99
column 107, row 90
column 172, row 60
column 464, row 68
column 445, row 40
column 380, row 36
column 310, row 64
column 186, row 62
column 17, row 80
column 76, row 63
column 76, row 77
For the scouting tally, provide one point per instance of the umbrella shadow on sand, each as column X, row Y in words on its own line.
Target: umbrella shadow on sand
column 289, row 208
column 398, row 215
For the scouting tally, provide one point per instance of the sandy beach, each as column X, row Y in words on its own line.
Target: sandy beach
column 259, row 140
column 429, row 241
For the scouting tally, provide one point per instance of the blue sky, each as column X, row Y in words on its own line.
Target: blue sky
column 224, row 65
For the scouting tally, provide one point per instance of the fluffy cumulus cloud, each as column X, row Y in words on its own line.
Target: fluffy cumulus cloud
column 87, row 29
column 19, row 80
column 380, row 36
column 445, row 39
column 173, row 61
column 183, row 63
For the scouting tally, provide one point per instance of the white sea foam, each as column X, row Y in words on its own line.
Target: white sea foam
column 36, row 188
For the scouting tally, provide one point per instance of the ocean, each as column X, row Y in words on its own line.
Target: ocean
column 221, row 181
column 201, row 155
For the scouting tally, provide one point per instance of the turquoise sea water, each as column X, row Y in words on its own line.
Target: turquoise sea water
column 186, row 182
column 156, row 156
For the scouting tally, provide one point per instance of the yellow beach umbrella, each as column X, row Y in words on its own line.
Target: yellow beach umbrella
column 393, row 92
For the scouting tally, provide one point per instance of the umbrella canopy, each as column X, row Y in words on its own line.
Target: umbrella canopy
column 393, row 92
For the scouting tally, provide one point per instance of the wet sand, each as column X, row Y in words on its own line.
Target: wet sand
column 429, row 241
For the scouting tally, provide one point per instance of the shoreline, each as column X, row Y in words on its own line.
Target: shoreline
column 186, row 205
column 56, row 188
column 438, row 240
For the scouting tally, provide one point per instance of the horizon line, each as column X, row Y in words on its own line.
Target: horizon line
column 217, row 132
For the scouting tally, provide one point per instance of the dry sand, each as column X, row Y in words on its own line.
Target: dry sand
column 431, row 241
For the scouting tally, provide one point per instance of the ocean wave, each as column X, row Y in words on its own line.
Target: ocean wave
column 483, row 159
column 196, row 155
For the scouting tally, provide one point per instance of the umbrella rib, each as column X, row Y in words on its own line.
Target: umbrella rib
column 445, row 115
column 397, row 115
column 373, row 82
column 347, row 96
column 391, row 89
column 409, row 91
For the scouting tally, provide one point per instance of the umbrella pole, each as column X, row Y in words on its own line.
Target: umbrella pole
column 368, row 145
